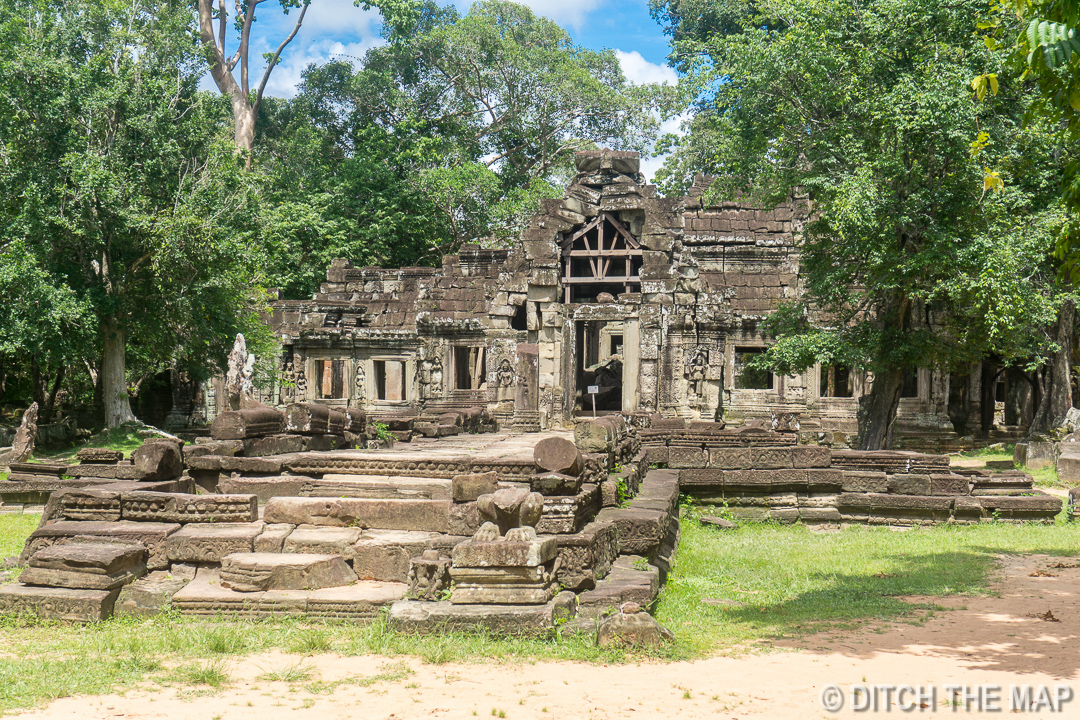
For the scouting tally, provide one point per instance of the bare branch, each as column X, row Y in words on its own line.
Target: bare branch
column 277, row 54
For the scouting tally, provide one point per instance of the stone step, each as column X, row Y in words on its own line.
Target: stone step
column 151, row 534
column 386, row 554
column 149, row 595
column 364, row 513
column 631, row 579
column 255, row 572
column 361, row 601
column 206, row 542
column 53, row 603
column 414, row 616
column 86, row 565
column 378, row 486
column 322, row 540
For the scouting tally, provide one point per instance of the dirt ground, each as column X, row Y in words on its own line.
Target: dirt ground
column 998, row 641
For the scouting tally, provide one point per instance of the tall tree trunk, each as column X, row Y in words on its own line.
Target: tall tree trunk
column 50, row 402
column 114, row 375
column 877, row 410
column 1057, row 376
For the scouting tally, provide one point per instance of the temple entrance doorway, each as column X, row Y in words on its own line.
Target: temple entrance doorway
column 600, row 364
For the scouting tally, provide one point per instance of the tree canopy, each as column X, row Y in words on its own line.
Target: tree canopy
column 934, row 206
column 120, row 203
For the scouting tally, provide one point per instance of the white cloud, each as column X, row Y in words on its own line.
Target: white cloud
column 288, row 73
column 639, row 71
column 564, row 12
column 674, row 125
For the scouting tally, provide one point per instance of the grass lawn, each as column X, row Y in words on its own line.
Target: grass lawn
column 729, row 592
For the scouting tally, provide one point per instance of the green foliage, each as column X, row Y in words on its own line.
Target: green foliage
column 449, row 133
column 119, row 195
column 934, row 213
column 382, row 431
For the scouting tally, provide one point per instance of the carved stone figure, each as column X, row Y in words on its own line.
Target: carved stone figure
column 359, row 386
column 506, row 373
column 301, row 385
column 436, row 377
column 695, row 371
column 25, row 436
column 429, row 576
column 423, row 378
column 508, row 510
column 234, row 378
column 288, row 389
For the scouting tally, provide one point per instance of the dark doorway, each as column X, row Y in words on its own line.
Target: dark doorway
column 598, row 366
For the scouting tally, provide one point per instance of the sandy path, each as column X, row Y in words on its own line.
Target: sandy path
column 982, row 641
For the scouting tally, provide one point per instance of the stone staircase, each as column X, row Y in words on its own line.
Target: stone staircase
column 346, row 534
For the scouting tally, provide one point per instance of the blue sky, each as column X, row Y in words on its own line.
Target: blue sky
column 338, row 29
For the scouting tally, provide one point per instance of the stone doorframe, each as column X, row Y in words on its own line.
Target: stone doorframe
column 631, row 373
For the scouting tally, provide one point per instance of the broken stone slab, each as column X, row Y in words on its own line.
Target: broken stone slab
column 364, row 513
column 1034, row 455
column 264, row 488
column 272, row 539
column 311, row 539
column 159, row 460
column 569, row 513
column 387, row 554
column 361, row 601
column 640, row 531
column 209, row 543
column 255, row 572
column 52, row 603
column 468, row 488
column 413, row 616
column 88, row 504
column 558, row 455
column 273, row 445
column 182, row 508
column 504, row 553
column 632, row 627
column 149, row 595
column 94, row 558
column 377, row 487
column 555, row 483
column 54, row 470
column 312, row 419
column 632, row 578
column 94, row 456
column 586, row 557
column 242, row 424
column 152, row 535
column 49, row 577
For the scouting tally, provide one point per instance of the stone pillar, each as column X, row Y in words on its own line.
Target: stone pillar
column 526, row 401
column 631, row 374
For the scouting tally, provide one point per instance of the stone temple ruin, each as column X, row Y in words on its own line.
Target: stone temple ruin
column 654, row 303
column 500, row 531
column 414, row 460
